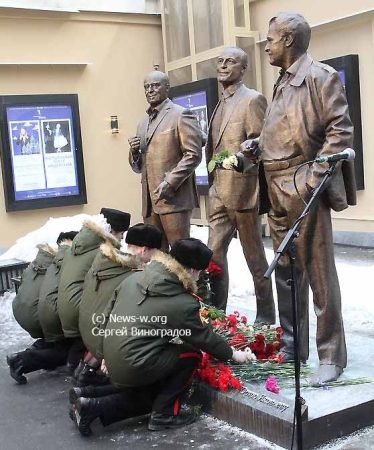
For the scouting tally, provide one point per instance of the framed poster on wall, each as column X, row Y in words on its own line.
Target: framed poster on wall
column 41, row 151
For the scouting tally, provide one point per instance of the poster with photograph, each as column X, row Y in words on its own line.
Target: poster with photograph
column 42, row 151
column 197, row 103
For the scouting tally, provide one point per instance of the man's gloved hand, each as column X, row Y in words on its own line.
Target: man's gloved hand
column 239, row 356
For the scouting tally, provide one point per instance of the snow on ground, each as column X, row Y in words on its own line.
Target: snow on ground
column 355, row 281
column 16, row 337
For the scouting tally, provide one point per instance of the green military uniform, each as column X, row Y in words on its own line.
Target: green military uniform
column 74, row 268
column 25, row 304
column 156, row 301
column 109, row 269
column 47, row 307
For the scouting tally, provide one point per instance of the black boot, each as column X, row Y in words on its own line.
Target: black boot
column 78, row 370
column 16, row 370
column 12, row 359
column 159, row 422
column 84, row 412
column 91, row 376
column 91, row 391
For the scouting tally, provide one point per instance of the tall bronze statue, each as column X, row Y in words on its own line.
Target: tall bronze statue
column 166, row 151
column 307, row 118
column 233, row 197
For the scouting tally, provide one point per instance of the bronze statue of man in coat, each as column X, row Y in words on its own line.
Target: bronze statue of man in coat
column 234, row 197
column 307, row 118
column 166, row 151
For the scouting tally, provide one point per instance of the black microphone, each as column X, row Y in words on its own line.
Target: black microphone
column 347, row 154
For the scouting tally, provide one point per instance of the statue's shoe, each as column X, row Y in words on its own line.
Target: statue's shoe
column 325, row 373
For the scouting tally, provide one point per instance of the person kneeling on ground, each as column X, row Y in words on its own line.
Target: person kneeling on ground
column 150, row 367
column 77, row 262
column 109, row 269
column 33, row 309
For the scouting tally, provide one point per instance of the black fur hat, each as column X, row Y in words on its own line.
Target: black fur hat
column 66, row 235
column 191, row 253
column 144, row 235
column 118, row 220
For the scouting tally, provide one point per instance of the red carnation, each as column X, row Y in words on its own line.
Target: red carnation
column 270, row 349
column 214, row 269
column 259, row 338
column 236, row 384
column 232, row 321
column 223, row 381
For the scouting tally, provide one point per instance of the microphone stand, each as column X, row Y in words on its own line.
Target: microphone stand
column 288, row 246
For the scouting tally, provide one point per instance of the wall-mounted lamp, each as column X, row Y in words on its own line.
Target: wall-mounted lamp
column 114, row 124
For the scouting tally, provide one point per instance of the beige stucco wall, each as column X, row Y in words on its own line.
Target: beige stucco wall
column 122, row 49
column 342, row 36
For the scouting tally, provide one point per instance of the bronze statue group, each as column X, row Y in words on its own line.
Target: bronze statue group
column 126, row 325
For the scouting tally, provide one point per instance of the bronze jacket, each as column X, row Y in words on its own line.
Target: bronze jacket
column 243, row 119
column 318, row 116
column 170, row 153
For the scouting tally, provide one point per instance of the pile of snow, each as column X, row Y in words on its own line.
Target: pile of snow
column 25, row 247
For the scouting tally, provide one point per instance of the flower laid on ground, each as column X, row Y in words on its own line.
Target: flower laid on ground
column 264, row 362
column 217, row 375
column 224, row 159
column 271, row 385
column 260, row 342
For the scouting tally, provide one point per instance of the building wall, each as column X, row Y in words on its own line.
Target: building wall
column 334, row 34
column 122, row 49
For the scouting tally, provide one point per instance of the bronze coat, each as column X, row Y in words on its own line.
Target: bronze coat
column 316, row 93
column 171, row 153
column 243, row 119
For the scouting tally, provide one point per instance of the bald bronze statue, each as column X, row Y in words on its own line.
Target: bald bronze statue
column 233, row 197
column 166, row 151
column 307, row 118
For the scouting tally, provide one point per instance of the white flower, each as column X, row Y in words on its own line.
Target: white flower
column 226, row 163
column 229, row 162
column 233, row 160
